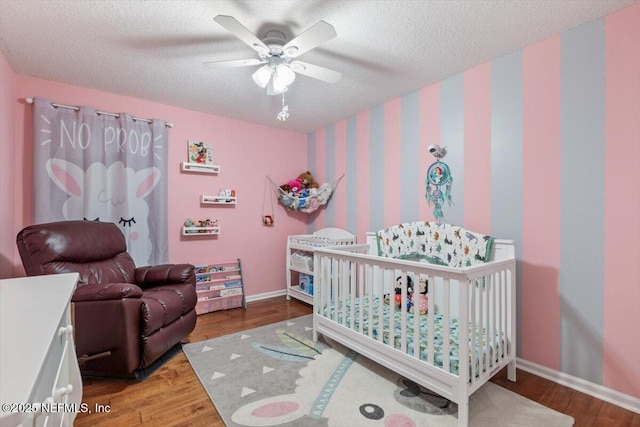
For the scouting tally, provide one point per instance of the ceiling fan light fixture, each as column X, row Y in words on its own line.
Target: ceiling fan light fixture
column 285, row 74
column 263, row 75
column 273, row 90
column 278, row 84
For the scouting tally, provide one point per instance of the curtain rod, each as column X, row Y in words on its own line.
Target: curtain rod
column 55, row 105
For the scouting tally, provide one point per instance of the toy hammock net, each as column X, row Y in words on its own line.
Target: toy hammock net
column 305, row 200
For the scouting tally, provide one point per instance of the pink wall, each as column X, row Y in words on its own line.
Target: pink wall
column 7, row 169
column 541, row 211
column 246, row 152
column 392, row 160
column 622, row 240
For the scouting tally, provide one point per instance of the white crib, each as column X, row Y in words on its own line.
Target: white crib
column 349, row 308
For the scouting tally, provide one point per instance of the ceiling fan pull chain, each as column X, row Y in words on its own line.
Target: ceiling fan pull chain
column 284, row 114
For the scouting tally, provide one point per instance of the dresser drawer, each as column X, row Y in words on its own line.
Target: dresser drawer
column 38, row 364
column 56, row 380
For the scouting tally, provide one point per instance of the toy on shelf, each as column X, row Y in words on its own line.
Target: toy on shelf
column 205, row 226
column 227, row 195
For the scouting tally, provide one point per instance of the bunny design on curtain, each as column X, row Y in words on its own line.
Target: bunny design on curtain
column 103, row 168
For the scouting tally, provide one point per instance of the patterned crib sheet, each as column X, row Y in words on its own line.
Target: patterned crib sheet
column 344, row 312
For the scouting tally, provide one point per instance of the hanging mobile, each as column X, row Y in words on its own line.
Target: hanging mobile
column 438, row 177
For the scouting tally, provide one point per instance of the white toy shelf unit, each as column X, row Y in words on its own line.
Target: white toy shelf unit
column 300, row 249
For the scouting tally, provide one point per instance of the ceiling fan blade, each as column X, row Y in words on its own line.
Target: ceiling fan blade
column 233, row 63
column 316, row 72
column 240, row 31
column 315, row 35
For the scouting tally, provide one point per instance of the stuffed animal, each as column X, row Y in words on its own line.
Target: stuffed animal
column 295, row 185
column 307, row 180
column 287, row 200
column 397, row 299
column 323, row 194
column 286, row 188
column 189, row 223
column 422, row 301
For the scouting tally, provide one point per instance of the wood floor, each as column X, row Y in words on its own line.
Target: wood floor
column 173, row 395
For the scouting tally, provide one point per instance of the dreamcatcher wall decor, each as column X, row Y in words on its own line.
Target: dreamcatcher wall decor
column 438, row 179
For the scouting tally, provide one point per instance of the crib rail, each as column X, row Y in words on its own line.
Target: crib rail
column 434, row 349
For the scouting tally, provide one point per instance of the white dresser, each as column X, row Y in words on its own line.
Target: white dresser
column 38, row 361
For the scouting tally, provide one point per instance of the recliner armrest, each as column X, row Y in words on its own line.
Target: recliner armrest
column 166, row 274
column 110, row 291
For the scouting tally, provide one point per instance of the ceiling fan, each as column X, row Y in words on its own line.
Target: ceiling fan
column 279, row 56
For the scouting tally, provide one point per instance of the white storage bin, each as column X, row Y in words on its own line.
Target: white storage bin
column 302, row 261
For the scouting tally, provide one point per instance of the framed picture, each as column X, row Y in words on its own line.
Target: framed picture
column 200, row 153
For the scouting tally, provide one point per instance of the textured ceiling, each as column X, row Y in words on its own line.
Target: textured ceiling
column 154, row 50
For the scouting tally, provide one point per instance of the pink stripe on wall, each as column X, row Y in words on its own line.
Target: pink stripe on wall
column 392, row 161
column 477, row 149
column 621, row 341
column 340, row 196
column 320, row 175
column 541, row 203
column 429, row 134
column 363, row 135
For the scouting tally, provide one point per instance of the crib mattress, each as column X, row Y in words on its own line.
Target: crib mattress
column 479, row 353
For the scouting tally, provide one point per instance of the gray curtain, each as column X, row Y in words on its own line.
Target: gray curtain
column 102, row 168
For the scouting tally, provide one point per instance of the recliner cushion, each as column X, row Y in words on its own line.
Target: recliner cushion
column 164, row 304
column 96, row 250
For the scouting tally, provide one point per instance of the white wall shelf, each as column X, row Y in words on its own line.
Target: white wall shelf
column 199, row 167
column 218, row 200
column 200, row 231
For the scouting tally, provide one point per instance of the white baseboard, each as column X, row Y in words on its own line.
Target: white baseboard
column 600, row 392
column 266, row 295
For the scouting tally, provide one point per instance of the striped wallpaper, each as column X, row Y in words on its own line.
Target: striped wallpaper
column 544, row 148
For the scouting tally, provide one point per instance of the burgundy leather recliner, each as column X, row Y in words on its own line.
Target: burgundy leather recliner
column 129, row 315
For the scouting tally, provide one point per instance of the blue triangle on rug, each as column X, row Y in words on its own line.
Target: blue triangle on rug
column 314, row 384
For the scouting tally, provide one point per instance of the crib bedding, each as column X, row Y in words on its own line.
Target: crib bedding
column 344, row 311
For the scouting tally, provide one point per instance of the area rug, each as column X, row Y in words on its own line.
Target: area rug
column 276, row 375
